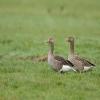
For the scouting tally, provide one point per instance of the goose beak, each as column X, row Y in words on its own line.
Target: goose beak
column 46, row 41
column 50, row 40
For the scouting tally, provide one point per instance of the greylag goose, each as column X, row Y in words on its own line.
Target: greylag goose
column 79, row 63
column 58, row 63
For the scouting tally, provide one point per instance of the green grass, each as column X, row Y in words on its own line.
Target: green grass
column 25, row 25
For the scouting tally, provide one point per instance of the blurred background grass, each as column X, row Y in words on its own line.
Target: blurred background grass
column 25, row 25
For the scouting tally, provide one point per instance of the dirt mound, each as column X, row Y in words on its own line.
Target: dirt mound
column 34, row 58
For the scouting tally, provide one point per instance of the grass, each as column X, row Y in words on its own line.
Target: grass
column 24, row 27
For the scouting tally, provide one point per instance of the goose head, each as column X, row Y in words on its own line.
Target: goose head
column 70, row 39
column 50, row 41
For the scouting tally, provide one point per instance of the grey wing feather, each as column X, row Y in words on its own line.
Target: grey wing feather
column 84, row 61
column 64, row 62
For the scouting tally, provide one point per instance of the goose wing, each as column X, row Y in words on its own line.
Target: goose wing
column 63, row 61
column 84, row 61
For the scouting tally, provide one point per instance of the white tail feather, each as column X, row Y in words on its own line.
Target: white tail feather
column 67, row 68
column 87, row 68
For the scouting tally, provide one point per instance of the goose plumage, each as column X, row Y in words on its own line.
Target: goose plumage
column 80, row 64
column 58, row 63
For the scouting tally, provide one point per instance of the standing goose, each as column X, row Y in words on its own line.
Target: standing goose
column 80, row 64
column 58, row 63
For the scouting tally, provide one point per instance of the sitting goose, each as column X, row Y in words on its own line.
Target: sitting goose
column 58, row 63
column 80, row 64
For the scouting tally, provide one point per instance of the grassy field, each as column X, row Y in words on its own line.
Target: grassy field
column 25, row 25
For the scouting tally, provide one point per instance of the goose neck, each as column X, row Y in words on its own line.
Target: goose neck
column 71, row 48
column 51, row 48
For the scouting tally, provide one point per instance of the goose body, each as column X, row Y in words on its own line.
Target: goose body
column 80, row 64
column 58, row 63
